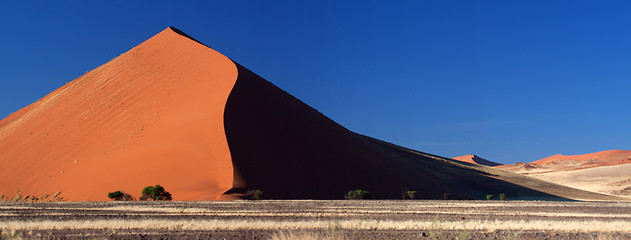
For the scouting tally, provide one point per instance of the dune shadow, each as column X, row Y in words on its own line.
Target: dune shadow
column 289, row 150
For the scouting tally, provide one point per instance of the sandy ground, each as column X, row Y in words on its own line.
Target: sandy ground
column 394, row 219
column 607, row 179
column 606, row 172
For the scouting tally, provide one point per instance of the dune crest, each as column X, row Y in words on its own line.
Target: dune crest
column 603, row 158
column 472, row 158
column 559, row 162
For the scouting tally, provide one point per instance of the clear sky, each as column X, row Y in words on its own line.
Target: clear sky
column 506, row 80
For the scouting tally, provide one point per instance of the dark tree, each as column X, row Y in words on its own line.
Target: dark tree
column 357, row 194
column 120, row 196
column 155, row 193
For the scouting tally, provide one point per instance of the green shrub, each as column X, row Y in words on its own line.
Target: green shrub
column 116, row 196
column 411, row 194
column 357, row 194
column 490, row 197
column 155, row 193
column 254, row 195
column 502, row 196
column 120, row 196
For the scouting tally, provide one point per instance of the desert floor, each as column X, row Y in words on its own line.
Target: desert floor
column 284, row 219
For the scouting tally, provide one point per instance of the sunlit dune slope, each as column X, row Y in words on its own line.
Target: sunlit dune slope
column 604, row 158
column 606, row 171
column 614, row 179
column 560, row 162
column 471, row 158
column 153, row 115
column 174, row 112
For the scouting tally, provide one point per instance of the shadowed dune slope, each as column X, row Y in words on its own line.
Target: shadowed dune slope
column 174, row 112
column 289, row 150
column 153, row 115
column 471, row 158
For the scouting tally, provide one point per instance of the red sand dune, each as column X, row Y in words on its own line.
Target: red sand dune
column 471, row 158
column 605, row 172
column 604, row 158
column 174, row 112
column 153, row 115
column 561, row 162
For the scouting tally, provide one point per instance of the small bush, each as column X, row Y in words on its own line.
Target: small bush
column 254, row 195
column 120, row 196
column 502, row 196
column 411, row 194
column 155, row 193
column 490, row 197
column 116, row 196
column 447, row 196
column 357, row 194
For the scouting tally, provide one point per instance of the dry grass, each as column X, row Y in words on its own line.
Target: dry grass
column 305, row 235
column 32, row 198
column 324, row 219
column 478, row 225
column 518, row 208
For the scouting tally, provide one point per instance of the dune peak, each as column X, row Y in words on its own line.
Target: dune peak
column 472, row 158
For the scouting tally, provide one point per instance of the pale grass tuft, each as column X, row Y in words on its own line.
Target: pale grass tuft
column 9, row 234
column 304, row 235
column 32, row 198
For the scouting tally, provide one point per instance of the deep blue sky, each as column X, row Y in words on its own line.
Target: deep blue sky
column 507, row 80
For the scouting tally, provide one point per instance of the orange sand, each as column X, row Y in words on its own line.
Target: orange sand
column 604, row 158
column 605, row 172
column 560, row 162
column 153, row 115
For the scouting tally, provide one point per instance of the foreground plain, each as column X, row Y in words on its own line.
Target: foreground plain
column 369, row 219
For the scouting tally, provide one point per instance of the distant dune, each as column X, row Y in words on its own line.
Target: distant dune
column 607, row 171
column 561, row 162
column 471, row 158
column 174, row 112
column 604, row 158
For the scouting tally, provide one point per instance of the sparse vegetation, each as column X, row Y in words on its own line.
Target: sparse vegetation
column 490, row 197
column 305, row 235
column 32, row 199
column 411, row 194
column 446, row 196
column 254, row 194
column 120, row 196
column 357, row 194
column 155, row 193
column 56, row 198
column 502, row 196
column 323, row 220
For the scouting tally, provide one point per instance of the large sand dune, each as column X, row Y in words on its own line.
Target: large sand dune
column 174, row 112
